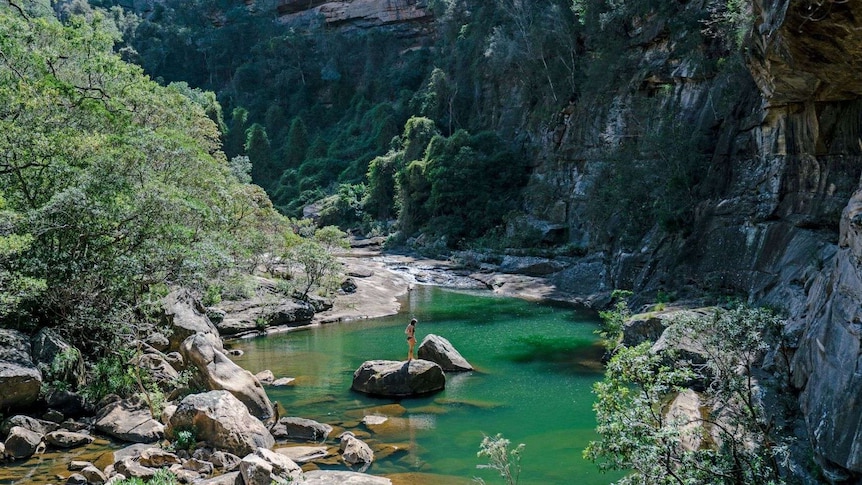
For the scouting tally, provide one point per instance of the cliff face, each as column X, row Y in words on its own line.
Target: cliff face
column 409, row 18
column 782, row 221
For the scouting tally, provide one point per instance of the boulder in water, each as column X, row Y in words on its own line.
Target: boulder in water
column 438, row 350
column 300, row 429
column 391, row 378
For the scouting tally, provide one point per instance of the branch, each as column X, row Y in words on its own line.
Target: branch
column 18, row 8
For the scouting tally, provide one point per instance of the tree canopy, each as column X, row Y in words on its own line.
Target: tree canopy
column 112, row 186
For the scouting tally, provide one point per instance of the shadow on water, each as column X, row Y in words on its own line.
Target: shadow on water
column 567, row 354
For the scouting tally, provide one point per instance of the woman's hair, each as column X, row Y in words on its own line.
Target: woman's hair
column 413, row 321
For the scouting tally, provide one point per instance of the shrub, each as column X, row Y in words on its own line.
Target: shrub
column 500, row 458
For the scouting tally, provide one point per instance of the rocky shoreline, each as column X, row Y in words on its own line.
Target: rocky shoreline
column 239, row 437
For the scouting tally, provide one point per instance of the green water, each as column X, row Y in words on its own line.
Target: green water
column 535, row 368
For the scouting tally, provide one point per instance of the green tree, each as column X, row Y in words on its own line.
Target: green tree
column 317, row 267
column 114, row 186
column 297, row 143
column 259, row 151
column 235, row 139
column 735, row 443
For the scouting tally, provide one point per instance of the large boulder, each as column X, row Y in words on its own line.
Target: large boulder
column 300, row 429
column 38, row 426
column 398, row 379
column 67, row 402
column 264, row 467
column 186, row 316
column 220, row 373
column 21, row 442
column 438, row 350
column 157, row 367
column 251, row 315
column 67, row 439
column 19, row 377
column 129, row 420
column 354, row 451
column 47, row 347
column 222, row 421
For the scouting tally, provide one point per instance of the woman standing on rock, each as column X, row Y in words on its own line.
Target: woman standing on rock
column 411, row 340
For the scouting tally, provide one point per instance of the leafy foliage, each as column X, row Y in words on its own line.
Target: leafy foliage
column 505, row 461
column 738, row 443
column 112, row 186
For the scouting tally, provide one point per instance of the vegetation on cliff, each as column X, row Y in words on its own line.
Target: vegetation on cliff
column 651, row 421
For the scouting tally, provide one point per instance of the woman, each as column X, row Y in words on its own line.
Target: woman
column 411, row 339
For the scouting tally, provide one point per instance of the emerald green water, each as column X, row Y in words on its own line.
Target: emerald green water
column 535, row 367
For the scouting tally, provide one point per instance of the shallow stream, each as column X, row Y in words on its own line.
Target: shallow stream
column 535, row 365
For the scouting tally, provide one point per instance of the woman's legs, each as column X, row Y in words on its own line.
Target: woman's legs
column 412, row 343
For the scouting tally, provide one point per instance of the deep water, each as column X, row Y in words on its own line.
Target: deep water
column 535, row 365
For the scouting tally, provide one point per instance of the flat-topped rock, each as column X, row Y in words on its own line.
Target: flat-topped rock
column 392, row 378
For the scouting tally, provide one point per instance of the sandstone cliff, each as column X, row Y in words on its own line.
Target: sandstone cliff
column 780, row 221
column 408, row 18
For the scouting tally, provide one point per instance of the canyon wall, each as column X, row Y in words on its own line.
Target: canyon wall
column 782, row 221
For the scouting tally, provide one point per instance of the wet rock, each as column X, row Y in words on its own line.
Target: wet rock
column 67, row 439
column 19, row 377
column 264, row 466
column 186, row 317
column 300, row 429
column 398, row 379
column 21, row 442
column 337, row 477
column 129, row 420
column 283, row 382
column 222, row 421
column 438, row 350
column 35, row 425
column 221, row 373
column 354, row 451
column 304, row 454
